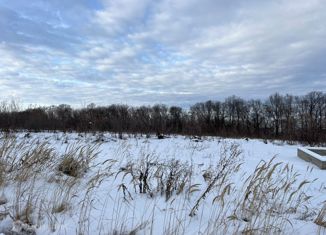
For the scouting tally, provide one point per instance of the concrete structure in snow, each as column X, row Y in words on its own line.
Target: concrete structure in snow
column 314, row 155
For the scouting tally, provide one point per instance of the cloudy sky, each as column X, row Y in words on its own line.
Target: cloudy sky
column 159, row 51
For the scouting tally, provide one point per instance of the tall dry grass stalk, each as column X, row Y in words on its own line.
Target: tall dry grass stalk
column 321, row 217
column 228, row 164
column 271, row 194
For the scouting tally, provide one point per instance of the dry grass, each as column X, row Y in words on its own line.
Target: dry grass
column 270, row 195
column 228, row 164
column 20, row 160
column 152, row 176
column 2, row 173
column 261, row 203
column 25, row 163
column 77, row 158
column 321, row 217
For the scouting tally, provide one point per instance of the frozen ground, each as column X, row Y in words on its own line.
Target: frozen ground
column 107, row 198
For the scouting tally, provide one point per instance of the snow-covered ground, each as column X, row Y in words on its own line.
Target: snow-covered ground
column 107, row 198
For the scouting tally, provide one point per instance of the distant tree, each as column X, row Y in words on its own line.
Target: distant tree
column 274, row 108
column 287, row 117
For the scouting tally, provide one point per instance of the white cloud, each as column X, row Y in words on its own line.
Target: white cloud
column 160, row 51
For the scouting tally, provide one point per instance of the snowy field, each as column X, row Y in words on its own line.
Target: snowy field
column 56, row 183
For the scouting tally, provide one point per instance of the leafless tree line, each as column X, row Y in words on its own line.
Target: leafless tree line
column 287, row 117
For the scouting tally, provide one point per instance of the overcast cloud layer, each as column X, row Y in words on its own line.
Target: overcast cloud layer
column 162, row 51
